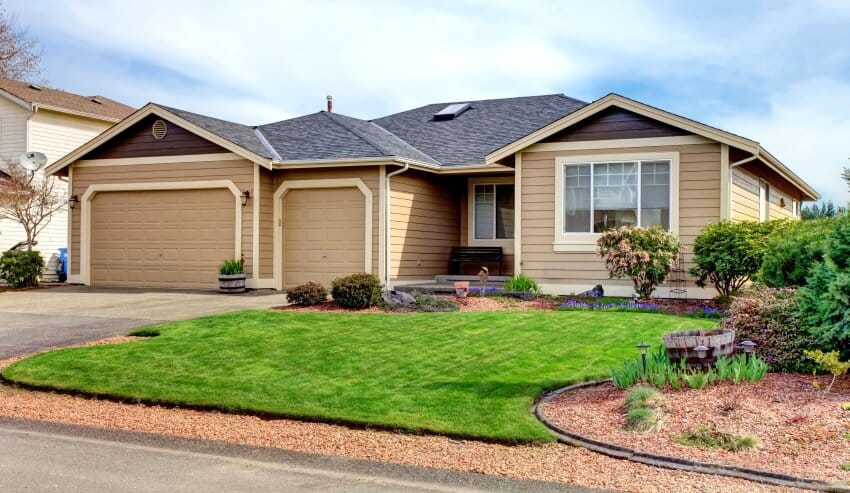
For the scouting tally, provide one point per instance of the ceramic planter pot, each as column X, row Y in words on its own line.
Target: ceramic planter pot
column 461, row 288
column 232, row 283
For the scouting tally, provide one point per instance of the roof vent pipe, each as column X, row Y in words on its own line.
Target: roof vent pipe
column 330, row 104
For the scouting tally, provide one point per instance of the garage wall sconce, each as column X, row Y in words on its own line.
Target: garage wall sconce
column 72, row 201
column 245, row 196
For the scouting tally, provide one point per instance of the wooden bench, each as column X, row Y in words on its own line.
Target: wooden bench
column 479, row 255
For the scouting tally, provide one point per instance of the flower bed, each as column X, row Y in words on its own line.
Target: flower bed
column 695, row 308
column 798, row 430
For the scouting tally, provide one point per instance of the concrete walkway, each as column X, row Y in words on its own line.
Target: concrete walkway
column 44, row 318
column 41, row 456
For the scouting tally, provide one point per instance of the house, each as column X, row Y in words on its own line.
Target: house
column 165, row 195
column 54, row 122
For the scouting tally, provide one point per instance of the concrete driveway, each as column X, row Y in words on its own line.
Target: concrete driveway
column 45, row 318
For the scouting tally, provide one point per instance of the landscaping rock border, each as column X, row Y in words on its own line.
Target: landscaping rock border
column 620, row 452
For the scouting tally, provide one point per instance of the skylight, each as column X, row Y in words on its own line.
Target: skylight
column 451, row 111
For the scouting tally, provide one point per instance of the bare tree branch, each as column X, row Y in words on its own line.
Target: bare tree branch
column 29, row 198
column 20, row 55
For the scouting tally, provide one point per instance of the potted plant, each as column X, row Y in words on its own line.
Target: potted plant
column 231, row 277
column 522, row 287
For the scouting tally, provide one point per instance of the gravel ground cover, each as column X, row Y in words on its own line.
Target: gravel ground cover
column 800, row 431
column 548, row 462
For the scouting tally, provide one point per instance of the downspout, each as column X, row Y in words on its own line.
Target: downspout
column 729, row 184
column 388, row 240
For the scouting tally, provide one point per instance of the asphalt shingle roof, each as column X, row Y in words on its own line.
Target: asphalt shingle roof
column 486, row 126
column 40, row 95
column 241, row 135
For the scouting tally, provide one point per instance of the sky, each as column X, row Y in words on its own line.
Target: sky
column 776, row 72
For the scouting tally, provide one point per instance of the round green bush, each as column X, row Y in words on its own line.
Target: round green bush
column 356, row 290
column 728, row 254
column 308, row 294
column 21, row 269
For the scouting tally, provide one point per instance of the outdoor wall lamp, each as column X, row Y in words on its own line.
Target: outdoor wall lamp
column 72, row 201
column 245, row 196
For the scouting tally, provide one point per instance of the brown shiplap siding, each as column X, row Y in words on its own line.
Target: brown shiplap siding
column 138, row 141
column 369, row 175
column 241, row 172
column 699, row 205
column 424, row 224
column 615, row 123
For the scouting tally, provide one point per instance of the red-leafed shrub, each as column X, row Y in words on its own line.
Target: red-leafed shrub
column 645, row 255
column 770, row 318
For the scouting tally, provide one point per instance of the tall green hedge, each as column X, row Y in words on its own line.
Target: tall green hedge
column 793, row 251
column 825, row 299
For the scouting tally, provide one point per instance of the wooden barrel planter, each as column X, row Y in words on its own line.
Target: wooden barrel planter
column 233, row 283
column 720, row 342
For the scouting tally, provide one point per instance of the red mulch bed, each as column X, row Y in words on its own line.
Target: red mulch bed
column 800, row 430
column 501, row 303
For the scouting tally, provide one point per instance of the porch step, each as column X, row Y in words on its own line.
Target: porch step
column 443, row 287
column 442, row 279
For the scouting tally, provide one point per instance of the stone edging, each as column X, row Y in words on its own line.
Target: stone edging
column 667, row 462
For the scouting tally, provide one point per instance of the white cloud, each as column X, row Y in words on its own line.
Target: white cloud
column 807, row 127
column 775, row 72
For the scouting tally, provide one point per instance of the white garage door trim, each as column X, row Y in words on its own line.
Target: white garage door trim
column 92, row 190
column 329, row 183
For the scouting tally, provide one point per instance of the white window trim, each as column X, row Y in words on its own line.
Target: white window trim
column 795, row 208
column 506, row 244
column 586, row 242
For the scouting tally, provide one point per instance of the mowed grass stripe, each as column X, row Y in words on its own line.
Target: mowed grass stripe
column 462, row 374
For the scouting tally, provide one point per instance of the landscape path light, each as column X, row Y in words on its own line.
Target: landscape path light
column 749, row 346
column 642, row 347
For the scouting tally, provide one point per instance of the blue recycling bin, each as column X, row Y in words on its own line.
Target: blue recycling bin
column 63, row 257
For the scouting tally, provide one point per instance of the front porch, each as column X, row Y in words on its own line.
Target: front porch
column 444, row 284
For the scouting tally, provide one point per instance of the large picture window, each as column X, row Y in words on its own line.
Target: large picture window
column 598, row 196
column 493, row 215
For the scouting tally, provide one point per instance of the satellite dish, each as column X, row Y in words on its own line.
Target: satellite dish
column 33, row 161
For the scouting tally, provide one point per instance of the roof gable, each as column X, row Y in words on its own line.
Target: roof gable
column 138, row 141
column 616, row 123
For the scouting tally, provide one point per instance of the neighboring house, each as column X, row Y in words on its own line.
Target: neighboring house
column 166, row 195
column 54, row 122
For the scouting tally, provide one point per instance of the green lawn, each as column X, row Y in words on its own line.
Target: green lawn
column 463, row 374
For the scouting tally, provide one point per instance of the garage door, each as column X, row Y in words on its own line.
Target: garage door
column 323, row 234
column 174, row 238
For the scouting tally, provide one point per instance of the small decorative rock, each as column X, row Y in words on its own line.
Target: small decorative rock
column 596, row 292
column 398, row 298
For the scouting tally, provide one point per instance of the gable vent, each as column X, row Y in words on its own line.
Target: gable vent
column 451, row 111
column 159, row 129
